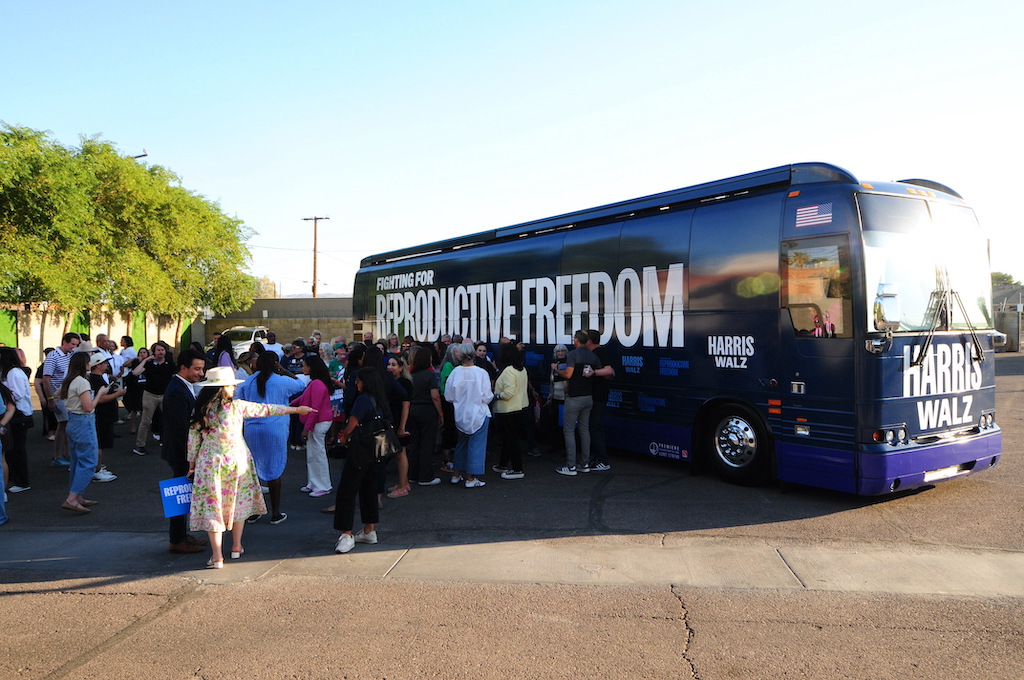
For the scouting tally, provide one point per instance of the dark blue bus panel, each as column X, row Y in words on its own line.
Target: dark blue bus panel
column 793, row 323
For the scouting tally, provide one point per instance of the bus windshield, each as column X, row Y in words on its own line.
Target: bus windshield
column 925, row 265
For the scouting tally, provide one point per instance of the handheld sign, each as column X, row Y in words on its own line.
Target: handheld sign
column 177, row 496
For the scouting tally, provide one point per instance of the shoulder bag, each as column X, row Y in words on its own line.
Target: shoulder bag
column 377, row 436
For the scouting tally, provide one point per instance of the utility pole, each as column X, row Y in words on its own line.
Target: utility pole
column 315, row 221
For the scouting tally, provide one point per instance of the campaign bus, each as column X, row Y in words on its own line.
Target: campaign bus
column 794, row 323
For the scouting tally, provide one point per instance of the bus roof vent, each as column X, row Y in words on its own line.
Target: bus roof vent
column 928, row 184
column 812, row 173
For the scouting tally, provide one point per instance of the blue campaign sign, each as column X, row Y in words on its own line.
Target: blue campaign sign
column 177, row 496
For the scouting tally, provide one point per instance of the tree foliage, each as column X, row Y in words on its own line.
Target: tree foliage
column 86, row 227
column 1003, row 279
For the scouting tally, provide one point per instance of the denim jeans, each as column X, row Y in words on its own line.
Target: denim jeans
column 83, row 448
column 471, row 450
column 577, row 412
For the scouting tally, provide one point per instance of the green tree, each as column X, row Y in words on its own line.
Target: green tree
column 88, row 228
column 45, row 220
column 1002, row 279
column 266, row 288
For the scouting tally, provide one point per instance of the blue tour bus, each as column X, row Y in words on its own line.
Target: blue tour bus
column 793, row 323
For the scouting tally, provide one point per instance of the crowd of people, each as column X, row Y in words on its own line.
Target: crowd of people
column 227, row 422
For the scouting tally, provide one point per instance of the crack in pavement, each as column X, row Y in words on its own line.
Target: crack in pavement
column 186, row 593
column 690, row 633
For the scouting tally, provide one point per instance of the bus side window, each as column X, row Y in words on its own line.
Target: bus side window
column 816, row 286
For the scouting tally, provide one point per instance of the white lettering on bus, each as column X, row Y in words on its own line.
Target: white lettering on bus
column 633, row 306
column 945, row 412
column 730, row 351
column 946, row 369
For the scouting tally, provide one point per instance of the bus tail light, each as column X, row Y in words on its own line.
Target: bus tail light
column 893, row 436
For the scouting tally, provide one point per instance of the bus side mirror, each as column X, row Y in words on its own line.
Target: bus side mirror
column 887, row 307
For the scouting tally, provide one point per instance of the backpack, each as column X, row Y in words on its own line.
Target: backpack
column 377, row 436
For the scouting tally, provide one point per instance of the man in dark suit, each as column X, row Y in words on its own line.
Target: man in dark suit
column 179, row 402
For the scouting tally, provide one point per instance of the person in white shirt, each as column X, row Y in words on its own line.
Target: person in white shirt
column 273, row 345
column 128, row 348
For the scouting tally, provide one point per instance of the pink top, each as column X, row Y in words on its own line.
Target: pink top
column 315, row 396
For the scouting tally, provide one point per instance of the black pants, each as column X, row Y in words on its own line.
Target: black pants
column 358, row 478
column 423, row 428
column 449, row 435
column 16, row 455
column 509, row 427
column 178, row 526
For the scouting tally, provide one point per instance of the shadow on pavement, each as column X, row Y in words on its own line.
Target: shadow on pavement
column 127, row 534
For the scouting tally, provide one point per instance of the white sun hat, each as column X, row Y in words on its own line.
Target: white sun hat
column 220, row 376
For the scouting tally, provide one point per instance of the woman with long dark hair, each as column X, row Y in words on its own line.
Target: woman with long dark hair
column 399, row 403
column 225, row 352
column 225, row 488
column 358, row 478
column 81, row 428
column 511, row 392
column 7, row 411
column 13, row 376
column 135, row 384
column 267, row 438
column 314, row 426
column 426, row 415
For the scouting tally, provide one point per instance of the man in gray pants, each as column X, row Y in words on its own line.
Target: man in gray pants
column 578, row 370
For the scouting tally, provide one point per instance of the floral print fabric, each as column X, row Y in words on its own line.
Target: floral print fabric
column 225, row 488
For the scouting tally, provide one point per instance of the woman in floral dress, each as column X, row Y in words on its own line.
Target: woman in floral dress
column 225, row 489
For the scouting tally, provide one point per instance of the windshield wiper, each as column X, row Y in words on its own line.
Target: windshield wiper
column 938, row 310
column 938, row 304
column 977, row 353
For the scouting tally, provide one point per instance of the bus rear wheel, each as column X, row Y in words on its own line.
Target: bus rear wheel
column 738, row 446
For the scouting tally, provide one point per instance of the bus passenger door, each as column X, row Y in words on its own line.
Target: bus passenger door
column 815, row 421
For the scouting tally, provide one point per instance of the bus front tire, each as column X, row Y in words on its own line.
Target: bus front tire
column 738, row 446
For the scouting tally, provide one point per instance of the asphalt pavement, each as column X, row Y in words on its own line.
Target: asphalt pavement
column 642, row 571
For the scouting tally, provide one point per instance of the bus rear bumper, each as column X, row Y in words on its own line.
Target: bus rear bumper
column 886, row 470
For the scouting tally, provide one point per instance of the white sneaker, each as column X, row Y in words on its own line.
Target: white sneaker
column 156, row 437
column 18, row 489
column 566, row 470
column 433, row 482
column 103, row 475
column 370, row 538
column 345, row 543
column 474, row 483
column 319, row 493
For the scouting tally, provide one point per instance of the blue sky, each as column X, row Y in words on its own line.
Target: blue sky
column 407, row 122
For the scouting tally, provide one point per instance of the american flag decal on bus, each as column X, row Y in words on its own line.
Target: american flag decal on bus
column 812, row 215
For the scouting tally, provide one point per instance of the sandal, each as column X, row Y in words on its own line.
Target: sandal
column 398, row 493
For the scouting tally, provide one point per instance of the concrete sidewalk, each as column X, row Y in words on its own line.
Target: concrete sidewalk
column 637, row 560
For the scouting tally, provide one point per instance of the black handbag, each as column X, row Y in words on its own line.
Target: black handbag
column 377, row 436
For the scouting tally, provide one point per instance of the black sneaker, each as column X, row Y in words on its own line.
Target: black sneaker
column 585, row 468
column 499, row 468
column 139, row 450
column 277, row 519
column 252, row 519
